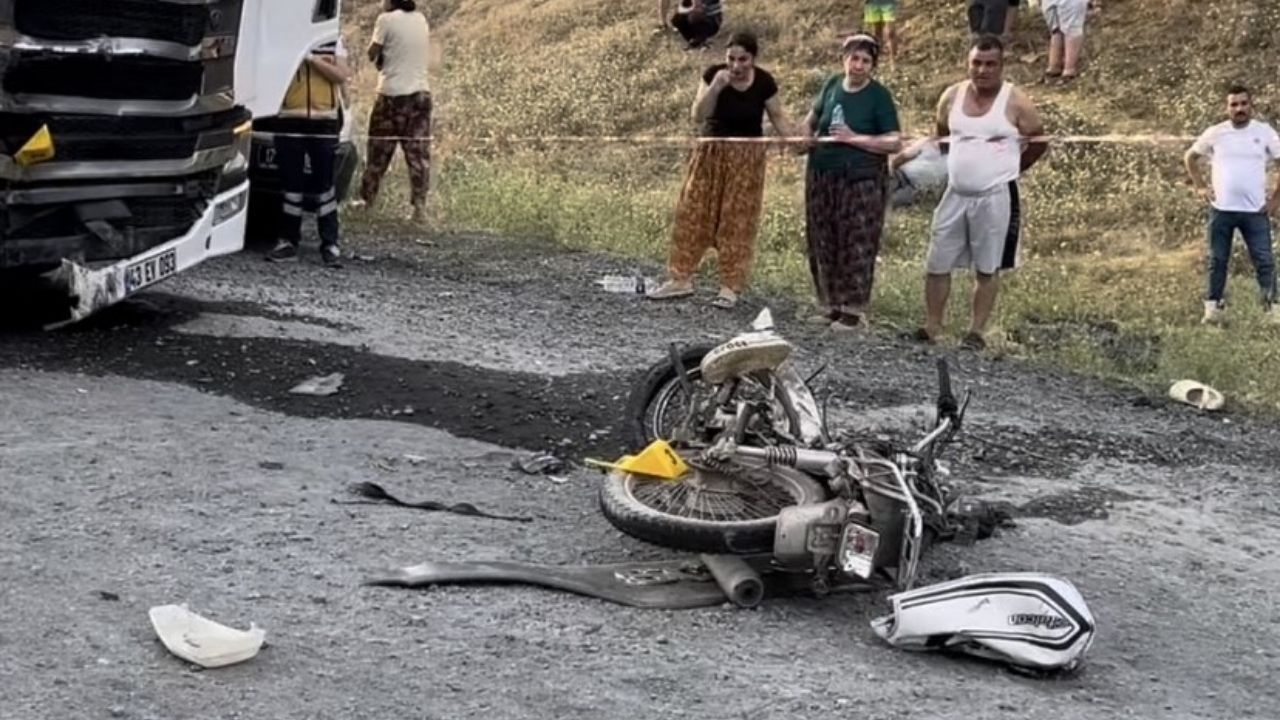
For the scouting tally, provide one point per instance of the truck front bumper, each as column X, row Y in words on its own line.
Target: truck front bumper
column 219, row 231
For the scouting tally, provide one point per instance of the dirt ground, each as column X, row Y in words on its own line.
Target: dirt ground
column 153, row 455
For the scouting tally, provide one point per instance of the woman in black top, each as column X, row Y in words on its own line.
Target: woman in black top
column 723, row 192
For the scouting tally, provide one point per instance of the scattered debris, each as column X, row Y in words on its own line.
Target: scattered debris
column 415, row 459
column 320, row 386
column 540, row 464
column 201, row 641
column 558, row 479
column 271, row 465
column 375, row 494
column 108, row 596
column 1197, row 395
column 387, row 465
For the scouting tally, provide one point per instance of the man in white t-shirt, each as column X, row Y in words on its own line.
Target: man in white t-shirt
column 402, row 113
column 1240, row 150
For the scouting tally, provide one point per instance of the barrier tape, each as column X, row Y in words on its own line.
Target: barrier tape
column 1149, row 139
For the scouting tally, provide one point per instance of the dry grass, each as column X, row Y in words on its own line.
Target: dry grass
column 1114, row 270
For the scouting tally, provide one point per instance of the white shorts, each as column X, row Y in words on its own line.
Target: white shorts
column 1065, row 16
column 976, row 231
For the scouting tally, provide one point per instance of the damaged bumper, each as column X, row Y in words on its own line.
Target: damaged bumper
column 219, row 231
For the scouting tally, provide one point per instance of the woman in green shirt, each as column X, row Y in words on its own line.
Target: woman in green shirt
column 855, row 123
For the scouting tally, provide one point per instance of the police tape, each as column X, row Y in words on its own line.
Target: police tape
column 780, row 140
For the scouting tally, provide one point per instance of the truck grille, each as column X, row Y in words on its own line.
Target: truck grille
column 135, row 78
column 75, row 20
column 124, row 139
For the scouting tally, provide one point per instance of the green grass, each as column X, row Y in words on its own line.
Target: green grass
column 1113, row 271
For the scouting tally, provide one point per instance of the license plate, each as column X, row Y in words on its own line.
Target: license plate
column 150, row 271
column 858, row 549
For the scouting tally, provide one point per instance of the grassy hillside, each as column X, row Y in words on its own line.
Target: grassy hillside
column 1114, row 271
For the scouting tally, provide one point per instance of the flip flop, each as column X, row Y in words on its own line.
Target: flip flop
column 669, row 291
column 1197, row 395
column 726, row 300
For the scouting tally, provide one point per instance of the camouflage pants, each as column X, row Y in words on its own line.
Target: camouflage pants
column 404, row 121
column 719, row 208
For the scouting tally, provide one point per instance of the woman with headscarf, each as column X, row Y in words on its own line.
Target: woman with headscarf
column 720, row 204
column 846, row 185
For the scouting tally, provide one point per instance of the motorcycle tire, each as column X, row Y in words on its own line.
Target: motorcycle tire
column 635, row 518
column 660, row 379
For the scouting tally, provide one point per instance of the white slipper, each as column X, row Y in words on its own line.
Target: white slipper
column 1197, row 395
column 202, row 641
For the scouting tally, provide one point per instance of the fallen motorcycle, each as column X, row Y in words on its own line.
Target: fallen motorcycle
column 759, row 472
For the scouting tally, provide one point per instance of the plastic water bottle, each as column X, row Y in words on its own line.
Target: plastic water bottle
column 625, row 284
column 837, row 117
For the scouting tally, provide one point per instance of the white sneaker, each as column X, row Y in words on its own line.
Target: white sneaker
column 1214, row 312
column 1273, row 313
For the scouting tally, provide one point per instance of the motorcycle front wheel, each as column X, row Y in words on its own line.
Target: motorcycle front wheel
column 708, row 510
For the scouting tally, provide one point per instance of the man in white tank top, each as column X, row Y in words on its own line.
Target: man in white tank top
column 982, row 123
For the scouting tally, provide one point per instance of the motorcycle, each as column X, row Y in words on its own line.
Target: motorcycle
column 764, row 476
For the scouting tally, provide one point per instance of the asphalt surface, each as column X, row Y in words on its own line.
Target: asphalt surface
column 154, row 455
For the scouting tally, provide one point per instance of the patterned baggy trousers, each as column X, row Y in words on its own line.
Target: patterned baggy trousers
column 844, row 220
column 719, row 207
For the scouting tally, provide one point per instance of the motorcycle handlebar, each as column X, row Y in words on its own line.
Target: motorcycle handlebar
column 942, row 428
column 948, row 407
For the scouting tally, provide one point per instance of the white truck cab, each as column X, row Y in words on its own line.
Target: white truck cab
column 141, row 115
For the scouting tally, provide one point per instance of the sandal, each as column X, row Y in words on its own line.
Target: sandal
column 822, row 317
column 670, row 290
column 726, row 300
column 848, row 322
column 973, row 341
column 921, row 335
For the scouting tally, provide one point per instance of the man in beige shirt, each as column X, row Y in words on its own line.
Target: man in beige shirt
column 402, row 113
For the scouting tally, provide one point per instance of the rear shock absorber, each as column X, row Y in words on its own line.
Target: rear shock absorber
column 802, row 459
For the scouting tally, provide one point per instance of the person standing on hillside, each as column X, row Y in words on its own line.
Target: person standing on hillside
column 985, row 123
column 402, row 113
column 720, row 204
column 878, row 18
column 1241, row 148
column 988, row 17
column 307, row 134
column 1065, row 19
column 847, row 184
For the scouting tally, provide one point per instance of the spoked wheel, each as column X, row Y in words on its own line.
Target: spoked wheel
column 723, row 510
column 659, row 402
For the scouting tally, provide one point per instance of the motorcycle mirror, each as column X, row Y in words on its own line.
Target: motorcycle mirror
column 763, row 321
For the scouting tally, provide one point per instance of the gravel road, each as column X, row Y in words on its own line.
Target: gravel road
column 154, row 455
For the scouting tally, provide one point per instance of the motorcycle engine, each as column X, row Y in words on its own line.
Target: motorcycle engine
column 808, row 536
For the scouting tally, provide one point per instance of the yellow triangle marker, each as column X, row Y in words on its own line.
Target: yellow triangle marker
column 38, row 149
column 657, row 460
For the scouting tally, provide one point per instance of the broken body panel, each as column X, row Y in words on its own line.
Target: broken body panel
column 149, row 106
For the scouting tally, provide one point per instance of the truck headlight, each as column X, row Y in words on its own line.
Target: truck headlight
column 230, row 207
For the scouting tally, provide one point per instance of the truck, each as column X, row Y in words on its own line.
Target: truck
column 127, row 135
